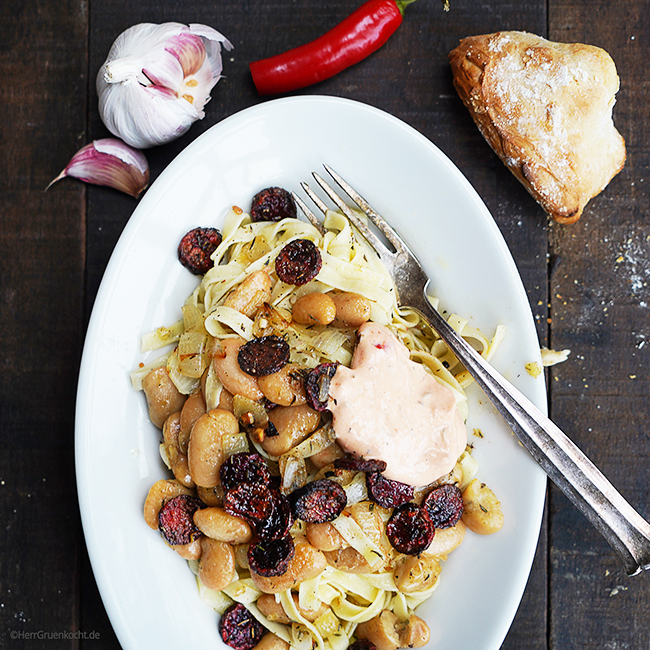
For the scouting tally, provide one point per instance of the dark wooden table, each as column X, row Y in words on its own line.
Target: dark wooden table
column 587, row 283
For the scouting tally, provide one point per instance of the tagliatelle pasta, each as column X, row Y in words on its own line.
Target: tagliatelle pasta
column 364, row 576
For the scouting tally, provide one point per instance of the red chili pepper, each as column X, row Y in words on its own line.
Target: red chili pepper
column 359, row 35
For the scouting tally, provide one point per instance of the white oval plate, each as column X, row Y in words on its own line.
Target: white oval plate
column 149, row 592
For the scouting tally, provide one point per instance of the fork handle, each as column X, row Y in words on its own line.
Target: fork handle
column 625, row 530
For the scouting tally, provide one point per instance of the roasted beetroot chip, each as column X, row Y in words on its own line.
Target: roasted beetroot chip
column 244, row 468
column 175, row 519
column 253, row 502
column 279, row 522
column 319, row 501
column 317, row 385
column 239, row 628
column 266, row 511
column 358, row 464
column 270, row 558
column 273, row 204
column 298, row 262
column 444, row 505
column 409, row 529
column 386, row 492
column 362, row 644
column 264, row 355
column 196, row 247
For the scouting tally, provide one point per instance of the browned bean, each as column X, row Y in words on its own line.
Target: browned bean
column 204, row 451
column 483, row 513
column 181, row 470
column 192, row 410
column 226, row 400
column 163, row 397
column 324, row 537
column 272, row 642
column 177, row 459
column 314, row 309
column 217, row 564
column 274, row 611
column 171, row 430
column 241, row 555
column 285, row 387
column 352, row 309
column 415, row 573
column 381, row 631
column 307, row 563
column 294, row 424
column 160, row 492
column 251, row 294
column 210, row 496
column 218, row 524
column 191, row 551
column 414, row 632
column 233, row 378
column 348, row 559
column 446, row 540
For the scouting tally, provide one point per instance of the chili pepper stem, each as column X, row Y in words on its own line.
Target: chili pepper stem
column 402, row 4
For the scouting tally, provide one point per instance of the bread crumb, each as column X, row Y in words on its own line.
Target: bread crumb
column 533, row 369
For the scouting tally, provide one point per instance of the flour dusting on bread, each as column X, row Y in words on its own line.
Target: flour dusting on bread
column 546, row 110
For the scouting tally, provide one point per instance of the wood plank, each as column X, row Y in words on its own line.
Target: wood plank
column 42, row 123
column 599, row 308
column 528, row 630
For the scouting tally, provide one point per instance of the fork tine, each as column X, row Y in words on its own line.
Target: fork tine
column 315, row 198
column 311, row 217
column 390, row 234
column 370, row 236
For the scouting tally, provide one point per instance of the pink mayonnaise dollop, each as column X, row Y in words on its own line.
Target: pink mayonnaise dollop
column 387, row 407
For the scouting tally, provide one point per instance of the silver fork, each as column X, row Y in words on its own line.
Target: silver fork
column 625, row 530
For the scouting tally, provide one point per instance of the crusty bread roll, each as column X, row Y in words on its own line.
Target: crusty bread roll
column 546, row 110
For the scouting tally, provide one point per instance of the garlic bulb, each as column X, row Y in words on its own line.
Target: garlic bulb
column 109, row 162
column 157, row 79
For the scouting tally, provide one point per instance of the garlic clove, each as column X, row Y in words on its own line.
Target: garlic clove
column 189, row 50
column 196, row 87
column 166, row 71
column 157, row 79
column 111, row 163
column 213, row 41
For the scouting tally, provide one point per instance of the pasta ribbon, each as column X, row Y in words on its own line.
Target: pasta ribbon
column 353, row 534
